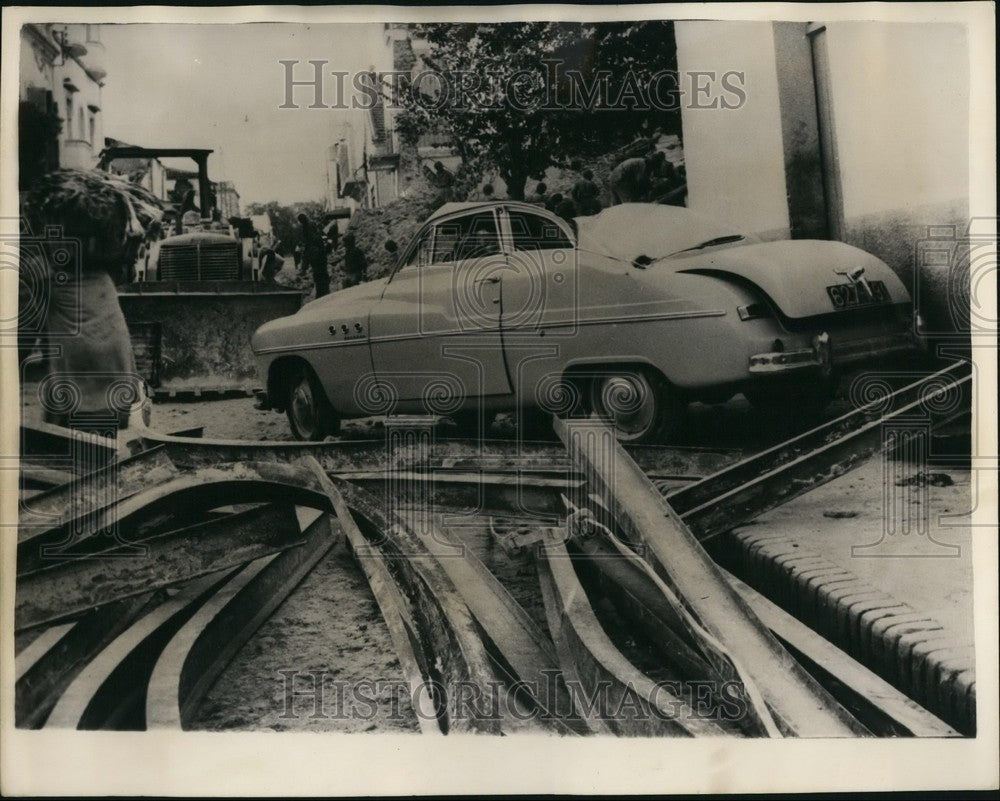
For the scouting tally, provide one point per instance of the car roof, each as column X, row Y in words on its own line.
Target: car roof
column 453, row 208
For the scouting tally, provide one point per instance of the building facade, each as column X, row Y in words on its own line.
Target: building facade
column 368, row 165
column 228, row 199
column 62, row 71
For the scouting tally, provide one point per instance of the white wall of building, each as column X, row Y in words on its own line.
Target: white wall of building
column 901, row 109
column 734, row 157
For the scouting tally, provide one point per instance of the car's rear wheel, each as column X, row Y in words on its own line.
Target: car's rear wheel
column 638, row 404
column 309, row 412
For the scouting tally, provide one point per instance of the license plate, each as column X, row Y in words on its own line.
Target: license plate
column 849, row 296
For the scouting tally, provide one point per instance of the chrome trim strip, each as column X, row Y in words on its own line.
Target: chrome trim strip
column 642, row 318
column 310, row 346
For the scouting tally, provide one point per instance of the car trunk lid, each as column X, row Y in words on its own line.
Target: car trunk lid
column 803, row 278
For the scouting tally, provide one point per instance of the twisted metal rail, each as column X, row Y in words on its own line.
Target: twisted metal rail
column 138, row 583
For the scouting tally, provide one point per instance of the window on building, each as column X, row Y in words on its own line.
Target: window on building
column 534, row 232
column 69, row 116
column 93, row 125
column 81, row 131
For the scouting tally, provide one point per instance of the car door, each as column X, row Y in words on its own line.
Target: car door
column 540, row 282
column 435, row 332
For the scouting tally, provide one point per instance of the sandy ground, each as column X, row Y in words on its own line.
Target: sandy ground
column 327, row 635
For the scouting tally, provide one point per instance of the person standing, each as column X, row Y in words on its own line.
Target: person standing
column 586, row 195
column 92, row 381
column 566, row 209
column 629, row 181
column 314, row 256
column 154, row 234
column 267, row 258
column 355, row 263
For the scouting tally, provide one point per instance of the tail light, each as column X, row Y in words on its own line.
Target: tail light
column 753, row 311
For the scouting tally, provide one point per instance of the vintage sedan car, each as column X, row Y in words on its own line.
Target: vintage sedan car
column 629, row 314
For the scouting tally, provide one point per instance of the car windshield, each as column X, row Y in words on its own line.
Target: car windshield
column 631, row 230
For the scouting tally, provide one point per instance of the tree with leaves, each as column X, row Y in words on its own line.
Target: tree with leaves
column 518, row 98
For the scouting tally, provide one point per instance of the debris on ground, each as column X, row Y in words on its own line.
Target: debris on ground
column 924, row 479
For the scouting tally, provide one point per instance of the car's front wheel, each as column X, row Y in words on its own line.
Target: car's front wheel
column 638, row 404
column 309, row 413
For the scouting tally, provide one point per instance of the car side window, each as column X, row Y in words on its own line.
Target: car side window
column 420, row 254
column 534, row 232
column 469, row 237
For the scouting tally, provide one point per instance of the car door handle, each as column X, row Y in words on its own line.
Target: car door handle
column 492, row 280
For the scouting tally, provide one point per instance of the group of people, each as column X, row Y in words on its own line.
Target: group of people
column 584, row 198
column 644, row 179
column 317, row 245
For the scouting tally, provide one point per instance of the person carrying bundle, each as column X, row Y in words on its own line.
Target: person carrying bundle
column 102, row 221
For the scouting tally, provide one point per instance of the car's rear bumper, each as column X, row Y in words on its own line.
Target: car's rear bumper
column 825, row 353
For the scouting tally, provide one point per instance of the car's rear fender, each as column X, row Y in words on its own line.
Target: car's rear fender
column 708, row 346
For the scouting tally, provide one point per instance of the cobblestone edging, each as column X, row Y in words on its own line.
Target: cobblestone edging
column 908, row 648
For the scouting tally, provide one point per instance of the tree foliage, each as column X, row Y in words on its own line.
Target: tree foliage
column 529, row 95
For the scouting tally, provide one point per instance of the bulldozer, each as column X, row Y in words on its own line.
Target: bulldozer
column 197, row 296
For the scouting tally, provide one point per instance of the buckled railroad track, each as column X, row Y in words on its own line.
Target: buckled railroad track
column 141, row 576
